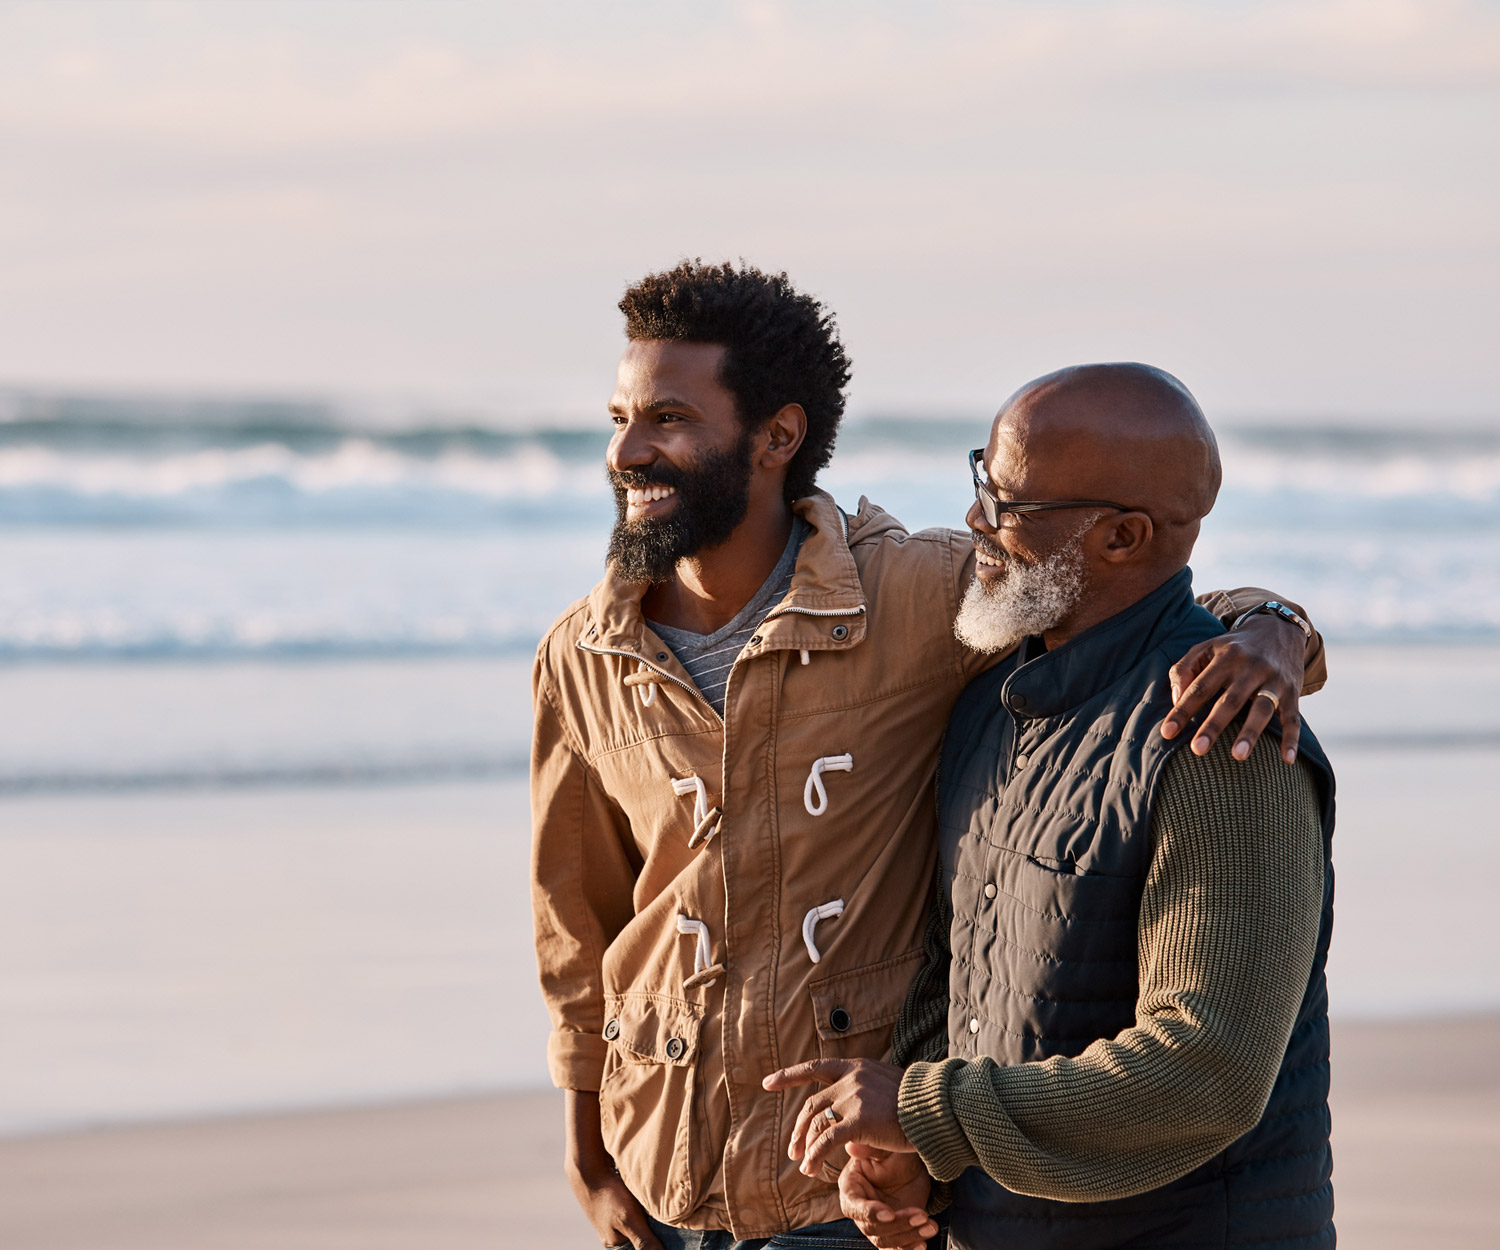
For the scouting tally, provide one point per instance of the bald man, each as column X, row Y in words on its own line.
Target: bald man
column 1120, row 1036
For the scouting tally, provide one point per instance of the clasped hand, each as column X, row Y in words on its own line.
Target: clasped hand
column 884, row 1187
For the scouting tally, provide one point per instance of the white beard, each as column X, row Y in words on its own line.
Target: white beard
column 1028, row 599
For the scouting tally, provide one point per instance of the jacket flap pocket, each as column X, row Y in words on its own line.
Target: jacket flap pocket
column 652, row 1028
column 866, row 998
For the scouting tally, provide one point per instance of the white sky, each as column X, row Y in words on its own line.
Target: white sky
column 1293, row 206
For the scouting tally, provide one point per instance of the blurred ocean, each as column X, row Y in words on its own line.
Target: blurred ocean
column 134, row 529
column 235, row 637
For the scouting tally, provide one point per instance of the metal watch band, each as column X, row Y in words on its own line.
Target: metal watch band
column 1272, row 608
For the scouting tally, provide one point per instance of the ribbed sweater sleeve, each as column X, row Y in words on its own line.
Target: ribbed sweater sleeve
column 1227, row 934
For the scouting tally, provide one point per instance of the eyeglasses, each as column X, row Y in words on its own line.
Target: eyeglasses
column 992, row 505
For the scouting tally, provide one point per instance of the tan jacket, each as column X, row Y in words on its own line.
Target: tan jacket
column 715, row 899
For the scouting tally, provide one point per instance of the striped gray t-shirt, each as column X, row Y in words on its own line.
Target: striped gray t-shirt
column 709, row 657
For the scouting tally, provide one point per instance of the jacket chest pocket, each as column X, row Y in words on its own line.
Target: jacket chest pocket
column 855, row 1011
column 646, row 1099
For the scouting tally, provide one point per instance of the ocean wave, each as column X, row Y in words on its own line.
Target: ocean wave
column 82, row 470
column 355, row 481
column 1467, row 478
column 72, row 638
column 155, row 593
column 278, row 532
column 528, row 471
column 345, row 620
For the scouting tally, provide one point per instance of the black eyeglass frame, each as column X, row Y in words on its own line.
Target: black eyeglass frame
column 992, row 505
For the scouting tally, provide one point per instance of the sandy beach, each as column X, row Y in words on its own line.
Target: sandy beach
column 1416, row 1139
column 177, row 964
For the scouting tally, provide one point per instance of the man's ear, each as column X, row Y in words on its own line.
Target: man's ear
column 783, row 432
column 1125, row 536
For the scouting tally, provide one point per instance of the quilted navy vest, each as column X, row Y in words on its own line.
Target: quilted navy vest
column 1045, row 789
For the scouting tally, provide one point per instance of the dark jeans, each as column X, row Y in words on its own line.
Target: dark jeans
column 838, row 1235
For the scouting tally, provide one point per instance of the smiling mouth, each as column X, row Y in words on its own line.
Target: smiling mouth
column 986, row 556
column 641, row 496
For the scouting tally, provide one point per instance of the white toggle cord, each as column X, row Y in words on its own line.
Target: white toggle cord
column 701, row 954
column 810, row 922
column 705, row 819
column 693, row 785
column 645, row 679
column 828, row 764
column 806, row 656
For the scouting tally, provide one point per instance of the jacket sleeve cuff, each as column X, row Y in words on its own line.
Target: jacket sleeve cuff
column 576, row 1060
column 925, row 1109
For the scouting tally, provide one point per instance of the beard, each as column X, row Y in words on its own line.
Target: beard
column 1028, row 599
column 713, row 497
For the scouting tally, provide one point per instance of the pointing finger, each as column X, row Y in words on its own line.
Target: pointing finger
column 814, row 1071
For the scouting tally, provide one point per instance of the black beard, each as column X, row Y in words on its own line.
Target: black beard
column 713, row 497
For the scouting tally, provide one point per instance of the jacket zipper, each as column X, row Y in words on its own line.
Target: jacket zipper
column 859, row 611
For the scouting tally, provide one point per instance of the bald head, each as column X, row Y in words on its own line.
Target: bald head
column 1125, row 432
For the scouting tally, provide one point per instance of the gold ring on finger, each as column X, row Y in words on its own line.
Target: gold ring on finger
column 830, row 1115
column 1266, row 694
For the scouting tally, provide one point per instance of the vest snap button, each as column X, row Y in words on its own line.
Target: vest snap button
column 661, row 657
column 974, row 1025
column 989, row 890
column 675, row 1047
column 611, row 1030
column 1017, row 702
column 838, row 1020
column 840, row 632
column 755, row 640
column 1022, row 761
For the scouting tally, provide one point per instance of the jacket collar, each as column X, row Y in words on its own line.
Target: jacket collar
column 826, row 593
column 1056, row 681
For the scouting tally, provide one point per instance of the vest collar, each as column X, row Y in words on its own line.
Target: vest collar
column 1056, row 681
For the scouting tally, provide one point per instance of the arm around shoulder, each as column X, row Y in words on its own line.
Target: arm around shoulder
column 1230, row 605
column 1259, row 669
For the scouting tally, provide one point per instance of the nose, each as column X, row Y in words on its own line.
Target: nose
column 629, row 448
column 976, row 519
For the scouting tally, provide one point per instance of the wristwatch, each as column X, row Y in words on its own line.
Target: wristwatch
column 1271, row 608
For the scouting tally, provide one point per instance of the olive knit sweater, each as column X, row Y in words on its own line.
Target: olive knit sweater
column 1228, row 926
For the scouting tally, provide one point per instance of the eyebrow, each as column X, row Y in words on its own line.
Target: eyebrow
column 657, row 404
column 995, row 486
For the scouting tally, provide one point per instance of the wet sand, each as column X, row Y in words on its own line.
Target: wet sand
column 1417, row 1147
column 1416, row 1134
